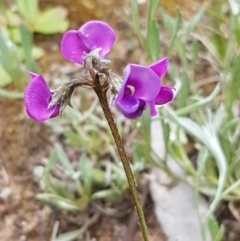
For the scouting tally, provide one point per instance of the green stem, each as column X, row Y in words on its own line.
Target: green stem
column 101, row 93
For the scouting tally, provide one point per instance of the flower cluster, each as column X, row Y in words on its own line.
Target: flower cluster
column 140, row 86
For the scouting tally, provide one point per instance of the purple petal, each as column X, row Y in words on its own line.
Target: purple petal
column 160, row 67
column 153, row 111
column 131, row 107
column 165, row 95
column 37, row 97
column 72, row 47
column 97, row 34
column 143, row 80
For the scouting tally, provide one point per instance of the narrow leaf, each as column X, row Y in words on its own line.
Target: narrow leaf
column 199, row 104
column 191, row 24
column 136, row 22
column 207, row 136
column 153, row 42
column 5, row 78
column 63, row 157
column 70, row 236
column 27, row 44
column 183, row 94
column 177, row 26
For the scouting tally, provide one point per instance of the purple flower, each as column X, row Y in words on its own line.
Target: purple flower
column 37, row 97
column 141, row 87
column 92, row 35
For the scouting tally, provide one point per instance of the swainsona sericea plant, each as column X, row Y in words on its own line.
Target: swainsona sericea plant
column 139, row 88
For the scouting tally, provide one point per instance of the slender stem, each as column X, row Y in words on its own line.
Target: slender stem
column 101, row 93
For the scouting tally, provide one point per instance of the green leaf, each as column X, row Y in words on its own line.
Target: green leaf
column 168, row 22
column 226, row 147
column 220, row 234
column 153, row 42
column 104, row 194
column 73, row 138
column 52, row 21
column 219, row 118
column 191, row 24
column 195, row 51
column 175, row 30
column 211, row 47
column 199, row 104
column 98, row 176
column 5, row 78
column 14, row 33
column 201, row 161
column 57, row 201
column 37, row 52
column 234, row 85
column 63, row 157
column 145, row 130
column 136, row 22
column 13, row 19
column 166, row 131
column 177, row 150
column 11, row 94
column 72, row 235
column 207, row 136
column 10, row 61
column 237, row 33
column 52, row 160
column 27, row 44
column 85, row 166
column 215, row 231
column 183, row 94
column 28, row 9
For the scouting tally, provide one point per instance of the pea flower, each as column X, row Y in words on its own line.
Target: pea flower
column 37, row 97
column 93, row 35
column 141, row 87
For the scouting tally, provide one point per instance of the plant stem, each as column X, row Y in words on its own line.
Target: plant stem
column 101, row 93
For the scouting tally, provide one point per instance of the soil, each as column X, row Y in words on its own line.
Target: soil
column 24, row 143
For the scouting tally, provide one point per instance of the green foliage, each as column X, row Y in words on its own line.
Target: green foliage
column 214, row 127
column 217, row 233
column 97, row 174
column 152, row 38
column 18, row 23
column 10, row 64
column 49, row 21
column 88, row 180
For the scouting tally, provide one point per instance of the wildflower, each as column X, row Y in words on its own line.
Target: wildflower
column 141, row 87
column 37, row 97
column 92, row 36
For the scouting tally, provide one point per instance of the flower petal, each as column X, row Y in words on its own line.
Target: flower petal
column 97, row 34
column 37, row 97
column 131, row 107
column 72, row 47
column 153, row 111
column 144, row 81
column 160, row 67
column 165, row 95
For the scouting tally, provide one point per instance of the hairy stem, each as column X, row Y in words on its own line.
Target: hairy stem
column 101, row 93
